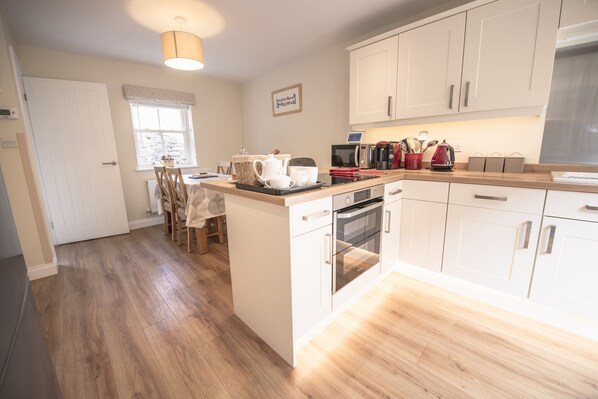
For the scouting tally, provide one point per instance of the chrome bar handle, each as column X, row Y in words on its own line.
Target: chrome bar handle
column 528, row 232
column 451, row 92
column 399, row 191
column 490, row 197
column 348, row 215
column 550, row 239
column 592, row 208
column 329, row 249
column 387, row 229
column 309, row 218
column 356, row 156
column 388, row 106
column 113, row 163
column 466, row 100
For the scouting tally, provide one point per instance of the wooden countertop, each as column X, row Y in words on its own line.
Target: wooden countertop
column 524, row 180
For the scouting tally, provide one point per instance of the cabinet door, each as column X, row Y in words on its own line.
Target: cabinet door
column 312, row 279
column 566, row 269
column 491, row 247
column 422, row 233
column 391, row 235
column 373, row 82
column 509, row 53
column 429, row 75
column 576, row 12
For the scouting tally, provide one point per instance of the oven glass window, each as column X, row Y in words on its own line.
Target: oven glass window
column 355, row 260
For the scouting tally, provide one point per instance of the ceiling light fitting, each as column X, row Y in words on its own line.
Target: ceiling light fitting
column 182, row 50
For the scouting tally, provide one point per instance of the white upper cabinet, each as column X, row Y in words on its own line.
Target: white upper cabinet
column 373, row 82
column 509, row 54
column 429, row 75
column 575, row 12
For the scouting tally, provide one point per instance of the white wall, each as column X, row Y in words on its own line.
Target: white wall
column 216, row 114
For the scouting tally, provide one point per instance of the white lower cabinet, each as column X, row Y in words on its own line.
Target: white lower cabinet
column 391, row 234
column 422, row 233
column 312, row 279
column 490, row 247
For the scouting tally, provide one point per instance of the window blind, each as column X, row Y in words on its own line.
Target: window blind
column 152, row 95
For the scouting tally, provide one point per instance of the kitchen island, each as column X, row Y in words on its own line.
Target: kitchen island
column 280, row 251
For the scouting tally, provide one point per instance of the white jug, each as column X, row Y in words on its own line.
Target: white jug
column 271, row 167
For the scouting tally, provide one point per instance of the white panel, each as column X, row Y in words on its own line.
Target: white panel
column 426, row 190
column 391, row 235
column 572, row 205
column 512, row 199
column 72, row 130
column 317, row 214
column 151, row 194
column 578, row 11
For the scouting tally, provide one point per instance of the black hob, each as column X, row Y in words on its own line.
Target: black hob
column 334, row 180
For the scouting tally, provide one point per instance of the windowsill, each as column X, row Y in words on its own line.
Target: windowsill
column 151, row 168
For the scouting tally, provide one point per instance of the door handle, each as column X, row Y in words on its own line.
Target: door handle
column 329, row 249
column 451, row 92
column 309, row 218
column 591, row 208
column 113, row 163
column 399, row 191
column 550, row 239
column 490, row 197
column 388, row 106
column 528, row 232
column 466, row 100
column 387, row 229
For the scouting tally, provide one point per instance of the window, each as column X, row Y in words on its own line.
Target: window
column 163, row 130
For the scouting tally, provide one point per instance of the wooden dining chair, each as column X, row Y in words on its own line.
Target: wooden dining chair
column 166, row 200
column 224, row 168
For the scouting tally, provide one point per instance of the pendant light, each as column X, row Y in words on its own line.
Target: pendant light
column 182, row 50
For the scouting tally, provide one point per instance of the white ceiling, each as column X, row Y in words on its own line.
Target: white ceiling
column 242, row 38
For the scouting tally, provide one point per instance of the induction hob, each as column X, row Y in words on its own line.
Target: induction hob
column 334, row 180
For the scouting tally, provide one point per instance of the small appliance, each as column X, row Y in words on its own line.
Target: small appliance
column 367, row 156
column 345, row 155
column 395, row 155
column 444, row 157
column 382, row 155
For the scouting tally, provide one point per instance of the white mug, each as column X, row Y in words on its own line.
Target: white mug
column 312, row 173
column 300, row 176
column 280, row 182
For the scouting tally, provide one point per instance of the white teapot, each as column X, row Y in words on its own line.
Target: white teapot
column 271, row 167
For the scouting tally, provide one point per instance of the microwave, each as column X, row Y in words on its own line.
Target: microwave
column 345, row 155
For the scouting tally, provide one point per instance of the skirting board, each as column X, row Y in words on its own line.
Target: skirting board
column 41, row 271
column 520, row 306
column 147, row 222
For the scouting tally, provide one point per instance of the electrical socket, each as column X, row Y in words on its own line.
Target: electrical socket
column 9, row 143
column 457, row 147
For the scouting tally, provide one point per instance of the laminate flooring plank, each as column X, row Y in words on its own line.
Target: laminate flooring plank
column 184, row 368
column 48, row 299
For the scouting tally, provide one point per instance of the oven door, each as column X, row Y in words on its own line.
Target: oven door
column 357, row 241
column 345, row 155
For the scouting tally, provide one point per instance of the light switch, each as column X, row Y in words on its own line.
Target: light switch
column 9, row 143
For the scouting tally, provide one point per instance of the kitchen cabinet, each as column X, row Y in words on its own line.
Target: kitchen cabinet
column 566, row 270
column 423, row 216
column 576, row 12
column 509, row 54
column 391, row 225
column 373, row 82
column 429, row 72
column 489, row 240
column 312, row 279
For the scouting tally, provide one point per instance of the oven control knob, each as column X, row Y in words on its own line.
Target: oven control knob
column 375, row 193
column 348, row 201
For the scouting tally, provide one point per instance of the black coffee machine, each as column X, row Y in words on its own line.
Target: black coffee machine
column 382, row 155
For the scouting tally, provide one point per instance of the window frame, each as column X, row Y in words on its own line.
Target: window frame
column 188, row 133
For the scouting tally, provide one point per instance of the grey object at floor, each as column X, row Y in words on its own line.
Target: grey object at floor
column 302, row 162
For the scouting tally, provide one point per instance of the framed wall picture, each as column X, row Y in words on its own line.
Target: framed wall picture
column 287, row 100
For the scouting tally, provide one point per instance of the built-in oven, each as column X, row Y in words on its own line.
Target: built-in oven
column 345, row 155
column 357, row 226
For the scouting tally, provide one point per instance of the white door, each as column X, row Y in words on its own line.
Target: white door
column 429, row 76
column 578, row 11
column 312, row 279
column 391, row 235
column 72, row 130
column 373, row 82
column 491, row 247
column 422, row 233
column 566, row 271
column 509, row 53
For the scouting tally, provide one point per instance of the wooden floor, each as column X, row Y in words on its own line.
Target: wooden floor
column 136, row 316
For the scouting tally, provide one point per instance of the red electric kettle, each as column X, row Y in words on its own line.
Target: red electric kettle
column 444, row 157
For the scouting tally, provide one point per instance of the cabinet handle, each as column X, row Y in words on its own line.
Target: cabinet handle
column 550, row 239
column 528, row 232
column 113, row 163
column 399, row 191
column 592, row 208
column 329, row 249
column 490, row 197
column 387, row 229
column 466, row 100
column 451, row 92
column 309, row 218
column 388, row 106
